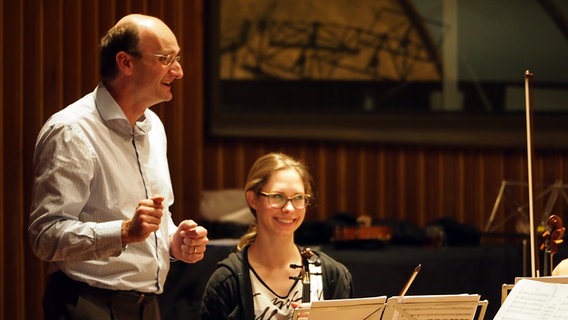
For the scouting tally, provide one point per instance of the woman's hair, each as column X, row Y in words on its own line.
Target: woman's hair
column 123, row 37
column 258, row 176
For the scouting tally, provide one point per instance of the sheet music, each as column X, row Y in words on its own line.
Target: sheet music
column 531, row 299
column 349, row 302
column 427, row 307
column 554, row 279
column 370, row 308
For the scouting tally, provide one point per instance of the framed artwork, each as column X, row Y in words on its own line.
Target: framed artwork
column 442, row 72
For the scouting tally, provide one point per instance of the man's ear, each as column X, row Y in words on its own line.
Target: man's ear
column 124, row 62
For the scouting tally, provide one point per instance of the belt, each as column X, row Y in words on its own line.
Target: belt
column 125, row 295
column 62, row 281
column 133, row 296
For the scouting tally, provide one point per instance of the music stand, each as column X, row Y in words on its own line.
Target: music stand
column 554, row 190
column 535, row 298
column 427, row 307
column 352, row 309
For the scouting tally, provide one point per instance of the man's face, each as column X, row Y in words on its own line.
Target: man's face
column 158, row 67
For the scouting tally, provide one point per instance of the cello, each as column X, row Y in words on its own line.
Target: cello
column 555, row 231
column 552, row 238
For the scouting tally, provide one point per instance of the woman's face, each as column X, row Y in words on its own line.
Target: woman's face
column 279, row 221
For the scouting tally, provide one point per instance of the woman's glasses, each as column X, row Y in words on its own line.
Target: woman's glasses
column 278, row 200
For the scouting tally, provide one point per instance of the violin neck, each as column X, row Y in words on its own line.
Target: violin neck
column 306, row 283
column 306, row 292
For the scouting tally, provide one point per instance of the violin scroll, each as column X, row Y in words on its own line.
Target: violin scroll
column 307, row 259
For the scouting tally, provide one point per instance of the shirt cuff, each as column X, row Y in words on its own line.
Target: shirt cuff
column 108, row 238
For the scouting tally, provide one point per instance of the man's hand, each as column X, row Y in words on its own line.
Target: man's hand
column 189, row 242
column 146, row 220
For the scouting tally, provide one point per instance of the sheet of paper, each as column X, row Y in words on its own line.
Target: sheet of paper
column 370, row 308
column 349, row 302
column 438, row 298
column 554, row 279
column 531, row 299
column 428, row 307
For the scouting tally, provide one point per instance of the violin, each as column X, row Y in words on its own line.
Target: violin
column 552, row 238
column 307, row 259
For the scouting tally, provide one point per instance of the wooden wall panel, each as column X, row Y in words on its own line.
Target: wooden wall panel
column 416, row 184
column 3, row 245
column 49, row 59
column 33, row 110
column 13, row 81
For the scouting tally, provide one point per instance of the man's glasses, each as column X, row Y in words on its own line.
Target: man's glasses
column 168, row 59
column 278, row 200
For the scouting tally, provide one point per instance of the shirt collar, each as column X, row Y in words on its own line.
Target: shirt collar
column 114, row 117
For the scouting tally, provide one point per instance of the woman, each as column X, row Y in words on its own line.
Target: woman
column 258, row 281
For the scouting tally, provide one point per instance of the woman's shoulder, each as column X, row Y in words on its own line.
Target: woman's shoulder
column 323, row 256
column 233, row 260
column 328, row 262
column 232, row 264
column 228, row 272
column 338, row 282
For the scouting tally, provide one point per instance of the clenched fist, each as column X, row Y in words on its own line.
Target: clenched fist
column 146, row 220
column 189, row 242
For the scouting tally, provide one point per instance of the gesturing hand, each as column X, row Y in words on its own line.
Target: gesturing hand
column 146, row 220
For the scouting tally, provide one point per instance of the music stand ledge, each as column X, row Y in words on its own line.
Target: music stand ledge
column 461, row 306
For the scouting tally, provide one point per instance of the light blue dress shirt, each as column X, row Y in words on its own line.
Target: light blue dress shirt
column 91, row 170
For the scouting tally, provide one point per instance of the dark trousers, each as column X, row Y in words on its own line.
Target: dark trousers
column 66, row 299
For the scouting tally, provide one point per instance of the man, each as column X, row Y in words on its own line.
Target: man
column 102, row 190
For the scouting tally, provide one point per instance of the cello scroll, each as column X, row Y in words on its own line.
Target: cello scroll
column 553, row 236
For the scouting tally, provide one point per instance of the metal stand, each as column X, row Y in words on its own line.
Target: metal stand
column 554, row 190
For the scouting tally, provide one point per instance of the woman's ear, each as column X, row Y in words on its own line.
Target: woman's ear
column 251, row 199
